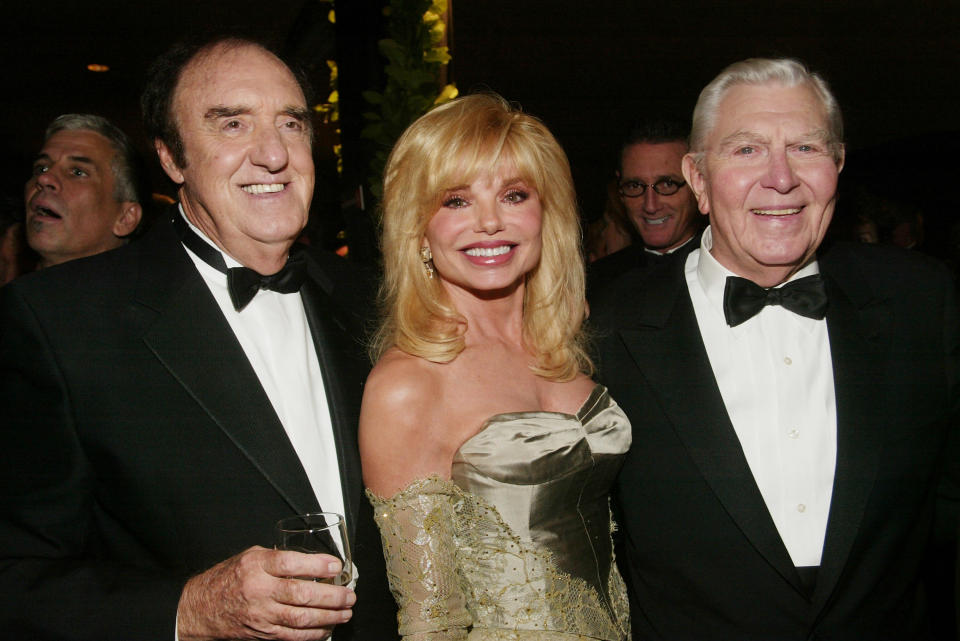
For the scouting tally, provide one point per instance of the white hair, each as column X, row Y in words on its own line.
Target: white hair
column 784, row 72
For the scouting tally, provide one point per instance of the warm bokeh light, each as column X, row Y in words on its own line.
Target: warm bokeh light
column 97, row 68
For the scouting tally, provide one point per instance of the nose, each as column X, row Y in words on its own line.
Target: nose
column 269, row 150
column 651, row 200
column 46, row 180
column 489, row 218
column 780, row 174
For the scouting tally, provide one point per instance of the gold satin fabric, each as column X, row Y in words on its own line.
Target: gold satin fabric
column 517, row 544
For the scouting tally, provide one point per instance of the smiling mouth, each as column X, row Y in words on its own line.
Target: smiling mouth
column 657, row 221
column 270, row 188
column 776, row 212
column 487, row 252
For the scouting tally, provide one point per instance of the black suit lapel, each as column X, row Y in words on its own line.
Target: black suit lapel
column 668, row 349
column 857, row 322
column 337, row 350
column 193, row 340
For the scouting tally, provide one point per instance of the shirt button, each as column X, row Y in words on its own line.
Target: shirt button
column 801, row 508
column 788, row 360
column 794, row 434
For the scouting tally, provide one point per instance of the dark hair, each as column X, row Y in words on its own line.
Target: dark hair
column 654, row 132
column 163, row 77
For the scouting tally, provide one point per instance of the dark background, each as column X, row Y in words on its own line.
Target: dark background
column 588, row 69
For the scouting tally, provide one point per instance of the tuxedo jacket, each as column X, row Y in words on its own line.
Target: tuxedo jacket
column 701, row 553
column 141, row 449
column 604, row 271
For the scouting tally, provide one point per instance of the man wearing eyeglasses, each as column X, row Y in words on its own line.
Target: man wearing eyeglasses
column 656, row 198
column 658, row 201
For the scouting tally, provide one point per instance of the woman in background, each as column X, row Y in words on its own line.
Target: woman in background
column 487, row 450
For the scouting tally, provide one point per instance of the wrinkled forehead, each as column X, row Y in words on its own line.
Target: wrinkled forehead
column 748, row 106
column 218, row 74
column 83, row 144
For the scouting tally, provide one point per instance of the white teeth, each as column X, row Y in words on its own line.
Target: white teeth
column 263, row 189
column 486, row 252
column 776, row 212
column 656, row 221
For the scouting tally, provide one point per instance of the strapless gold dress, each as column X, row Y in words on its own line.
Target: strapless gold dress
column 517, row 545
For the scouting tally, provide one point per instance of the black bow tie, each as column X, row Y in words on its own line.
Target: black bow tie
column 743, row 299
column 242, row 282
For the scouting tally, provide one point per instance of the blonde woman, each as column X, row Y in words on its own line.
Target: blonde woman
column 487, row 450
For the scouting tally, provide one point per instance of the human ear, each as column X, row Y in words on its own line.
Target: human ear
column 129, row 218
column 697, row 181
column 167, row 162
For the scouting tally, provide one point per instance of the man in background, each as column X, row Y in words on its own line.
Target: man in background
column 82, row 197
column 657, row 199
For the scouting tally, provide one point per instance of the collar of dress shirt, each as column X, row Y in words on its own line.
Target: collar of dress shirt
column 227, row 258
column 713, row 279
column 669, row 251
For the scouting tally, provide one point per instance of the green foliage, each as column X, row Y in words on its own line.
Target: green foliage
column 415, row 58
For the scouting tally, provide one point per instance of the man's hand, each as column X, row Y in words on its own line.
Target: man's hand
column 249, row 596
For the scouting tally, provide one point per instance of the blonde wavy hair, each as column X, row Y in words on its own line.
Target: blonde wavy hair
column 452, row 145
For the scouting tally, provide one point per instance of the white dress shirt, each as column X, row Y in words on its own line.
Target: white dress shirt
column 775, row 375
column 273, row 332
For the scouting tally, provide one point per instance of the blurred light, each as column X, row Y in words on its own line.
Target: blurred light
column 97, row 68
column 162, row 199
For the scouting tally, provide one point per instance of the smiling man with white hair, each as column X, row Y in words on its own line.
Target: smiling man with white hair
column 793, row 406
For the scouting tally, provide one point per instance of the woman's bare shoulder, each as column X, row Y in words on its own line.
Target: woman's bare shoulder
column 400, row 381
column 401, row 424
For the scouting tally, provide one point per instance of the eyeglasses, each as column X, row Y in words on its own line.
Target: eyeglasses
column 664, row 187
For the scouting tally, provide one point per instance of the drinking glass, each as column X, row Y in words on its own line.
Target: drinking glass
column 319, row 532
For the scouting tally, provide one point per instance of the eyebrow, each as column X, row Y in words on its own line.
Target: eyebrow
column 743, row 136
column 674, row 177
column 750, row 136
column 223, row 111
column 509, row 182
column 300, row 113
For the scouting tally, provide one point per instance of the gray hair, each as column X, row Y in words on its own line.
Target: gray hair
column 126, row 160
column 784, row 72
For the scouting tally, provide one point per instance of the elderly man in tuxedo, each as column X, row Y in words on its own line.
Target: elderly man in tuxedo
column 791, row 404
column 164, row 404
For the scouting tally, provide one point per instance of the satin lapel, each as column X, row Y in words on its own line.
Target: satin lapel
column 194, row 342
column 670, row 353
column 338, row 350
column 857, row 322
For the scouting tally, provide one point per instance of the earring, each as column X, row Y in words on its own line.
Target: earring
column 426, row 257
